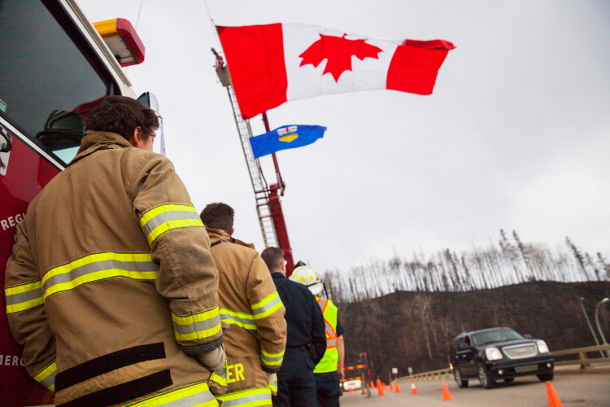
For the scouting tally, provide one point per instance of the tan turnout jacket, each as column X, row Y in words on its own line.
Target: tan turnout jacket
column 111, row 284
column 250, row 304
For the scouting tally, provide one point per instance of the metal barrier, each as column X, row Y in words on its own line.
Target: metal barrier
column 583, row 360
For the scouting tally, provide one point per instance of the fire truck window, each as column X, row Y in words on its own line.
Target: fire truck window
column 45, row 80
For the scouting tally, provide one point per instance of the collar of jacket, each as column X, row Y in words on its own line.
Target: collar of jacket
column 278, row 274
column 99, row 140
column 219, row 234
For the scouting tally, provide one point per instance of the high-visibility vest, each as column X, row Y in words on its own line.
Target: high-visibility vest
column 331, row 357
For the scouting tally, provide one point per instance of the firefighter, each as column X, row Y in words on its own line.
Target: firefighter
column 306, row 341
column 250, row 304
column 329, row 371
column 111, row 287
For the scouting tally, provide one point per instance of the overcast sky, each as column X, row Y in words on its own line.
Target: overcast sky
column 514, row 136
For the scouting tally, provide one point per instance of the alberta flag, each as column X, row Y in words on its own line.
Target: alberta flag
column 285, row 137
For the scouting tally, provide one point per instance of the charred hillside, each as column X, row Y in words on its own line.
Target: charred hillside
column 415, row 329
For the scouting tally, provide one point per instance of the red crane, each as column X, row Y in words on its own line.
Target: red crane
column 267, row 197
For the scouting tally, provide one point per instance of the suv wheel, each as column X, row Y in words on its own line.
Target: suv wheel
column 484, row 378
column 545, row 377
column 458, row 378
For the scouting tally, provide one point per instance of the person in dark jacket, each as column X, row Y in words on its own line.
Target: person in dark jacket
column 306, row 341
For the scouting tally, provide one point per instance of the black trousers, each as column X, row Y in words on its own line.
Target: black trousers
column 329, row 388
column 296, row 386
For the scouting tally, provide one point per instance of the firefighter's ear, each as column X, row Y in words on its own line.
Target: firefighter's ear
column 135, row 139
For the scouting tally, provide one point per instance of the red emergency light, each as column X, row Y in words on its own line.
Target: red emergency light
column 122, row 39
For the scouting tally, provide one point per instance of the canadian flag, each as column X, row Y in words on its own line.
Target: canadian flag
column 274, row 63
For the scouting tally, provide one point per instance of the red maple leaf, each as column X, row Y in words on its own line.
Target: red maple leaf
column 338, row 52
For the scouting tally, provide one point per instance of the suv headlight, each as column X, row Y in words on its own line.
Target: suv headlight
column 493, row 354
column 542, row 348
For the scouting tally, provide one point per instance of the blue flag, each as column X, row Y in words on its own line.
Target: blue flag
column 285, row 137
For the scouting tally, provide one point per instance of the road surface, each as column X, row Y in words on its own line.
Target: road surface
column 574, row 388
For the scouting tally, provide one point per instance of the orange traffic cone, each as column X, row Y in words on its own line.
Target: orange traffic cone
column 372, row 385
column 397, row 388
column 553, row 398
column 380, row 389
column 446, row 394
column 378, row 384
column 413, row 389
column 383, row 385
column 391, row 386
column 351, row 390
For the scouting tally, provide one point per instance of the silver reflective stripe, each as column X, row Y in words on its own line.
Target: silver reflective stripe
column 246, row 399
column 163, row 217
column 268, row 306
column 145, row 266
column 197, row 326
column 269, row 360
column 49, row 380
column 23, row 297
column 248, row 323
column 322, row 303
column 331, row 342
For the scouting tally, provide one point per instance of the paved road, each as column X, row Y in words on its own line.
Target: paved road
column 574, row 388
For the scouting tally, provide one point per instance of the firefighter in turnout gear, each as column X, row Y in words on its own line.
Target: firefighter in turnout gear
column 111, row 287
column 329, row 371
column 250, row 304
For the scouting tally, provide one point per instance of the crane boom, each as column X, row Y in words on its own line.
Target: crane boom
column 268, row 204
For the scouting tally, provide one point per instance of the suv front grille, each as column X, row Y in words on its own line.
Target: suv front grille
column 521, row 351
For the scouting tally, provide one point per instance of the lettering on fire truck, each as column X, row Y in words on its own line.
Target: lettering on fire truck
column 11, row 221
column 11, row 360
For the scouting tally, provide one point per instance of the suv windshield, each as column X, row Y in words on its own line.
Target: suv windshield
column 500, row 335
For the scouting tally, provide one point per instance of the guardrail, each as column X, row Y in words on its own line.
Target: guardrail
column 583, row 360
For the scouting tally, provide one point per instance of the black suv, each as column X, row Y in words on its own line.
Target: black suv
column 498, row 353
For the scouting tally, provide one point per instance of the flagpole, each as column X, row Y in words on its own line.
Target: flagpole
column 278, row 174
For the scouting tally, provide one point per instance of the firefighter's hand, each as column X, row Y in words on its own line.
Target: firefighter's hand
column 341, row 373
column 213, row 360
column 272, row 383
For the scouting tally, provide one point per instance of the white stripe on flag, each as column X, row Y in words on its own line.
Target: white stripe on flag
column 307, row 81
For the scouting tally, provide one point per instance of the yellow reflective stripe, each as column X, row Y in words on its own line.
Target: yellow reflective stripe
column 247, row 398
column 272, row 359
column 221, row 377
column 101, row 275
column 164, row 218
column 199, row 326
column 264, row 301
column 270, row 311
column 22, row 288
column 267, row 306
column 273, row 355
column 96, row 267
column 95, row 258
column 23, row 296
column 46, row 376
column 242, row 319
column 197, row 395
column 10, row 309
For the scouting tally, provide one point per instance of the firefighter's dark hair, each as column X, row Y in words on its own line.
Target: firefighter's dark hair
column 273, row 258
column 122, row 115
column 218, row 215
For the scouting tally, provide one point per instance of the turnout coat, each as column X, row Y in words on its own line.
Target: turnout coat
column 111, row 286
column 250, row 304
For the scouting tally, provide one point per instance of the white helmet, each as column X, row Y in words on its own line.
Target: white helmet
column 306, row 276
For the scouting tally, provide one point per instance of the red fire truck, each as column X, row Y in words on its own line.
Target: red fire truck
column 55, row 67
